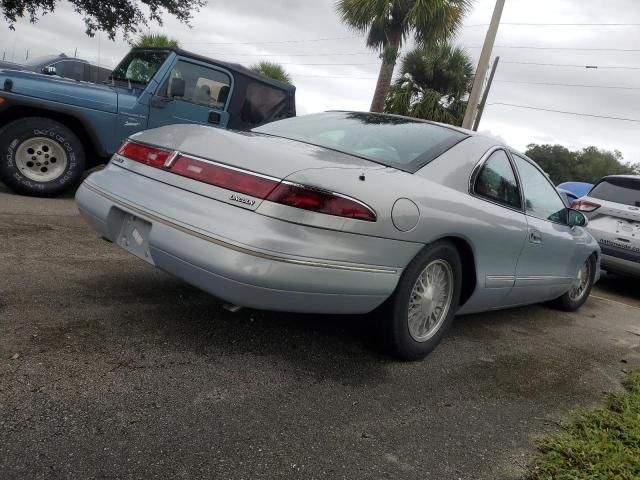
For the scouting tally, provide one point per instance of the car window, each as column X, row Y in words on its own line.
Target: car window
column 541, row 198
column 263, row 103
column 203, row 86
column 497, row 181
column 399, row 142
column 70, row 69
column 623, row 190
column 139, row 66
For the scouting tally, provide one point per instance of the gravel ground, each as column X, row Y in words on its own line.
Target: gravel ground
column 111, row 369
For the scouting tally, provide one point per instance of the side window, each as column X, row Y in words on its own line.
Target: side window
column 497, row 182
column 203, row 86
column 263, row 104
column 70, row 69
column 541, row 198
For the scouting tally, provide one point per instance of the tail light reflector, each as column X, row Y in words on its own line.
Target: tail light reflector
column 224, row 177
column 584, row 206
column 320, row 201
column 154, row 157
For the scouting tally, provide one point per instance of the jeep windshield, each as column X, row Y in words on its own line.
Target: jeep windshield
column 138, row 67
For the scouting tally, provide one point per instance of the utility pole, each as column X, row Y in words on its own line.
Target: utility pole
column 27, row 55
column 483, row 102
column 483, row 63
column 75, row 54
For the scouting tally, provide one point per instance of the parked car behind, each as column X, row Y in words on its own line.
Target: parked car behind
column 345, row 212
column 576, row 189
column 62, row 66
column 567, row 196
column 613, row 209
column 53, row 129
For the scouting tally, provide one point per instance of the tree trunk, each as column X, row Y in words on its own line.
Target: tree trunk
column 384, row 82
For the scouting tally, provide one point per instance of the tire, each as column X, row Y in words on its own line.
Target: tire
column 398, row 334
column 40, row 157
column 568, row 302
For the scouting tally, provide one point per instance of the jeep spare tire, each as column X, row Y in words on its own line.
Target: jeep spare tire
column 40, row 157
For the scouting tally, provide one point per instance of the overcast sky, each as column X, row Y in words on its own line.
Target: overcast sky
column 236, row 31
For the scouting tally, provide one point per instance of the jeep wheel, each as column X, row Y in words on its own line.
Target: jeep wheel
column 40, row 157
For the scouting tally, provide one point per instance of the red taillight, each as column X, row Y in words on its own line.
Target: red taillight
column 154, row 157
column 320, row 201
column 584, row 205
column 223, row 177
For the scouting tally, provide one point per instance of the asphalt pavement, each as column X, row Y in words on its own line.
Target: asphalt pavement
column 112, row 369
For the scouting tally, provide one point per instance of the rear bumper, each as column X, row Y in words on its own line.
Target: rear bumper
column 616, row 264
column 238, row 273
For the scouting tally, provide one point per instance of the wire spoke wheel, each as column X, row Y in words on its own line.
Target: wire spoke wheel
column 430, row 300
column 581, row 283
column 41, row 159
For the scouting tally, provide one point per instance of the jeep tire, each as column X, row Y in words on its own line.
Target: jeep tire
column 40, row 157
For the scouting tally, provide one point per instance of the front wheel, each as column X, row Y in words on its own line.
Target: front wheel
column 416, row 317
column 580, row 289
column 40, row 157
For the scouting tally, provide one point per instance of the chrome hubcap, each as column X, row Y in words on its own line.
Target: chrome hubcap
column 581, row 282
column 430, row 300
column 41, row 159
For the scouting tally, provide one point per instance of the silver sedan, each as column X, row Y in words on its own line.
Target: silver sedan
column 347, row 212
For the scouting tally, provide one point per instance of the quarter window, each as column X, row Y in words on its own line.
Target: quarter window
column 541, row 198
column 497, row 182
column 203, row 86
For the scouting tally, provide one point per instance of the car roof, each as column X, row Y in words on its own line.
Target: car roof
column 229, row 66
column 621, row 176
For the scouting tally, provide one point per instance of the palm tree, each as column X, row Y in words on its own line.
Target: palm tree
column 389, row 23
column 272, row 70
column 434, row 84
column 147, row 40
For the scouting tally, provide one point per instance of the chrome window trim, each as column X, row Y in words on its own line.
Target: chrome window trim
column 156, row 218
column 478, row 168
column 512, row 154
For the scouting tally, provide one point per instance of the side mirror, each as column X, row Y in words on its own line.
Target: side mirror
column 49, row 70
column 577, row 219
column 177, row 88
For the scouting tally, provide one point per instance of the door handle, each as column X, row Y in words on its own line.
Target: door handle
column 535, row 236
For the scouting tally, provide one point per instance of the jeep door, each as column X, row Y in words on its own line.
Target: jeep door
column 192, row 92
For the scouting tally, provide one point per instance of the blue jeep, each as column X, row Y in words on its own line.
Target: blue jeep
column 52, row 129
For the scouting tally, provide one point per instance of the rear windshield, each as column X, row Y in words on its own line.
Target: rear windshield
column 618, row 190
column 402, row 143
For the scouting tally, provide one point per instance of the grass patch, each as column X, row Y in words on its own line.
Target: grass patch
column 602, row 444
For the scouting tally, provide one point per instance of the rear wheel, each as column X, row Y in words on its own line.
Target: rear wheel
column 416, row 317
column 581, row 288
column 40, row 157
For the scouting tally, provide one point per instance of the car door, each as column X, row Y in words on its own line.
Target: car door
column 502, row 231
column 552, row 253
column 204, row 98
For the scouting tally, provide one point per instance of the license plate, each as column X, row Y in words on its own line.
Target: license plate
column 628, row 229
column 134, row 237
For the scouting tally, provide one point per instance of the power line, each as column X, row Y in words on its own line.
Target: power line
column 568, row 85
column 523, row 47
column 273, row 41
column 607, row 67
column 526, row 24
column 566, row 113
column 288, row 54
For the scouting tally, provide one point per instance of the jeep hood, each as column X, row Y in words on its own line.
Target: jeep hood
column 62, row 90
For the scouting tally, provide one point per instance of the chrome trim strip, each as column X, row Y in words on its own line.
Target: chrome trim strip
column 172, row 159
column 499, row 281
column 542, row 281
column 150, row 216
